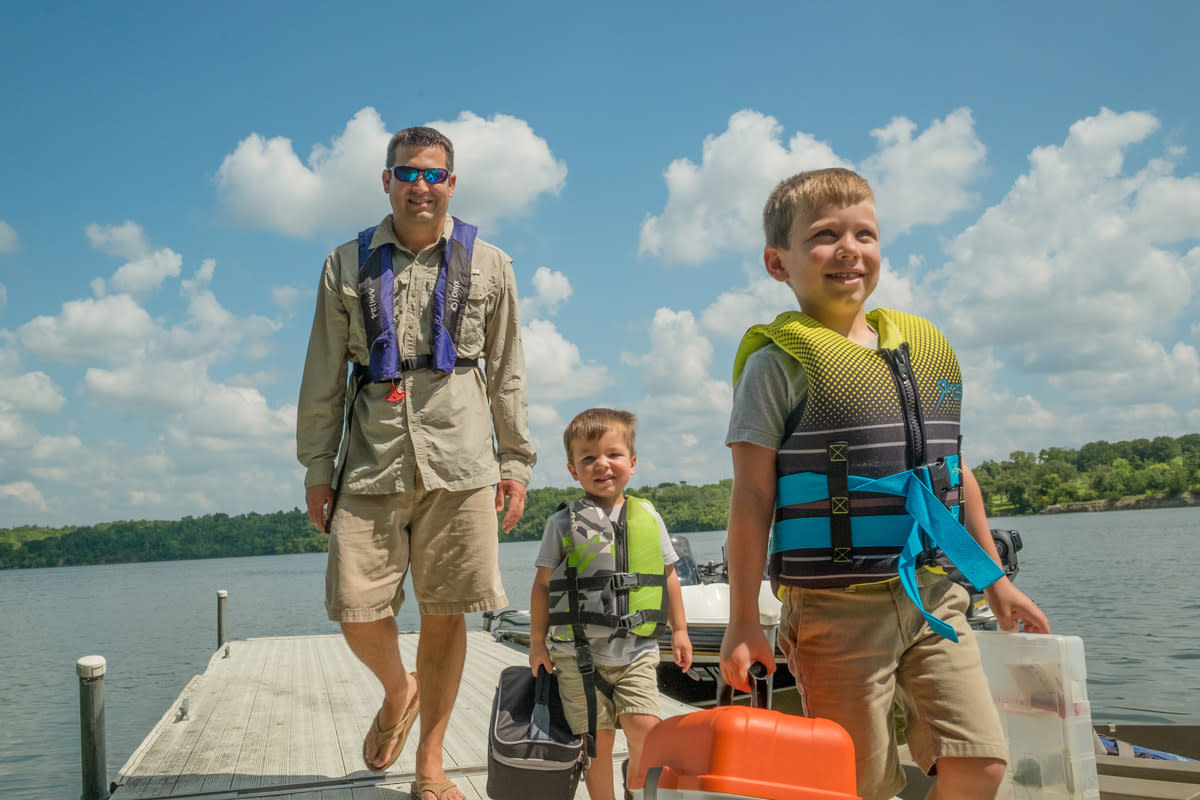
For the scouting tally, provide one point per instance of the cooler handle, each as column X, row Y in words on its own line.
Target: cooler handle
column 760, row 688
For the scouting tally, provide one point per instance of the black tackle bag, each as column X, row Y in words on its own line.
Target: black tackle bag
column 531, row 750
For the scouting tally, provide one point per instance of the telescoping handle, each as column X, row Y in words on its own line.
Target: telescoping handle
column 760, row 688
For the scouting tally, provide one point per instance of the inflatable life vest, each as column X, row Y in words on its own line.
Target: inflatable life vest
column 869, row 478
column 376, row 294
column 612, row 580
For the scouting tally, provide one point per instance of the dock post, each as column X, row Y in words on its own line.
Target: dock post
column 90, row 670
column 221, row 595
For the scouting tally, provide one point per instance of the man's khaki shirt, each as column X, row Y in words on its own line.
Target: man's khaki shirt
column 442, row 429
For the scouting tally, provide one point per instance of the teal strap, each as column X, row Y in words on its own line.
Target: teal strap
column 928, row 513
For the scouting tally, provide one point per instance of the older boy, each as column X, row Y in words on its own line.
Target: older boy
column 844, row 434
column 586, row 543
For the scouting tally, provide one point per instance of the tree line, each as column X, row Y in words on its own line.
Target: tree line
column 684, row 508
column 1028, row 483
column 1025, row 483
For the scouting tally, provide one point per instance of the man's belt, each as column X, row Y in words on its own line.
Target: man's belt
column 362, row 374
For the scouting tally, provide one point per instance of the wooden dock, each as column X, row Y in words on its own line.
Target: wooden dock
column 285, row 718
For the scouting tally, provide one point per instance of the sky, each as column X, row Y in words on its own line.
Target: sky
column 174, row 175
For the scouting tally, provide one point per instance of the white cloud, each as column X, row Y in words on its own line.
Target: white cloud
column 550, row 289
column 289, row 298
column 144, row 274
column 127, row 240
column 1075, row 285
column 51, row 449
column 263, row 183
column 684, row 411
column 32, row 392
column 25, row 493
column 760, row 300
column 9, row 241
column 716, row 207
column 923, row 180
column 15, row 433
column 554, row 368
column 102, row 329
column 502, row 167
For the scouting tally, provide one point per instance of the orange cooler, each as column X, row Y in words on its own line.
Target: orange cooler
column 739, row 751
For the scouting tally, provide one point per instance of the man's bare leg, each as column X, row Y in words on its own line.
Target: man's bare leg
column 374, row 643
column 441, row 653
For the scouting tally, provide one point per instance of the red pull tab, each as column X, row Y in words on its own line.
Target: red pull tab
column 396, row 394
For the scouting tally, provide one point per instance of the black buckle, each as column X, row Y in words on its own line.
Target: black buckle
column 583, row 657
column 628, row 622
column 624, row 580
column 939, row 477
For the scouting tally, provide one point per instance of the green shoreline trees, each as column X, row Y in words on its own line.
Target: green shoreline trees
column 1025, row 483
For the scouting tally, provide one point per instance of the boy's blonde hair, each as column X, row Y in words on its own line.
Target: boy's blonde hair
column 808, row 192
column 590, row 425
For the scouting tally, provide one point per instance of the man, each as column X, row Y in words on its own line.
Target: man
column 430, row 324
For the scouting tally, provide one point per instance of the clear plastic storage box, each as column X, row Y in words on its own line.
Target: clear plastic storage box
column 1039, row 683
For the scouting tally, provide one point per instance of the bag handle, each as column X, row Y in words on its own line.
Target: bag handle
column 539, row 722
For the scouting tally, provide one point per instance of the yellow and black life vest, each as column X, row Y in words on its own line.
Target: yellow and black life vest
column 869, row 477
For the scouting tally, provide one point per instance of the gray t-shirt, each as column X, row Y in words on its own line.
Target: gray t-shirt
column 771, row 386
column 610, row 653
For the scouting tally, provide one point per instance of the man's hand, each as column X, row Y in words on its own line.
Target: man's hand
column 744, row 644
column 1014, row 611
column 514, row 491
column 319, row 499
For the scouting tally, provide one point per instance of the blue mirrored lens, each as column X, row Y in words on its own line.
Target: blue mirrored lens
column 410, row 174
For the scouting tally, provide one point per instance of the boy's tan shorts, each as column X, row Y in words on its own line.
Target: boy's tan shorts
column 635, row 691
column 857, row 651
column 448, row 538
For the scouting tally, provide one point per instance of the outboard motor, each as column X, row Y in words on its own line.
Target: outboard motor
column 685, row 567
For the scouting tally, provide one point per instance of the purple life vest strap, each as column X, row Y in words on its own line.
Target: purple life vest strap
column 376, row 294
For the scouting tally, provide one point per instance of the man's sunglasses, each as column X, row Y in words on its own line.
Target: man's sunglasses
column 410, row 174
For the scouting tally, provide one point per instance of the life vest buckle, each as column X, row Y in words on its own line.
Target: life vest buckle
column 939, row 477
column 627, row 623
column 622, row 581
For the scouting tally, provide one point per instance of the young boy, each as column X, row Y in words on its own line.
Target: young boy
column 573, row 599
column 844, row 430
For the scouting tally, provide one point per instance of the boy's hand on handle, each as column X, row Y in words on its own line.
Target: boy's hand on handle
column 744, row 643
column 681, row 649
column 539, row 656
column 1014, row 610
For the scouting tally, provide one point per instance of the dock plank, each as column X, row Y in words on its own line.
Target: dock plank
column 285, row 717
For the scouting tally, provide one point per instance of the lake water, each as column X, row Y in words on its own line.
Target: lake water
column 1124, row 581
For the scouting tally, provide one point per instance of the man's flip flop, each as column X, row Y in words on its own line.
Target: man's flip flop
column 399, row 732
column 438, row 788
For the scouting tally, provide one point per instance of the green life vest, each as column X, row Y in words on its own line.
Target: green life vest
column 612, row 580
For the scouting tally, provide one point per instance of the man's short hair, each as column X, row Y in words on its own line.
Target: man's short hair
column 590, row 425
column 420, row 137
column 808, row 192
